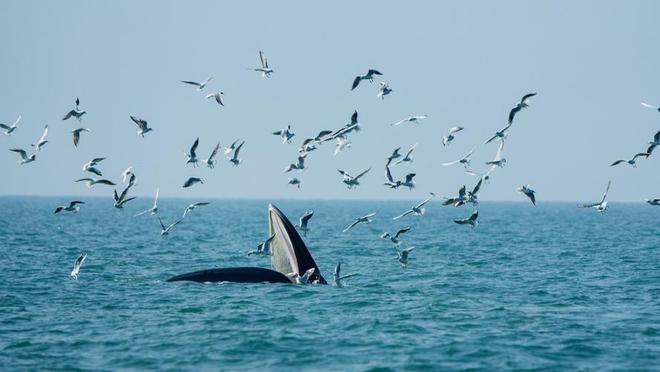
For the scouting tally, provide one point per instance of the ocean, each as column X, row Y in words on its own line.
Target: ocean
column 549, row 287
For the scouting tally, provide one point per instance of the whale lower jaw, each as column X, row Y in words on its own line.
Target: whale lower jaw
column 233, row 274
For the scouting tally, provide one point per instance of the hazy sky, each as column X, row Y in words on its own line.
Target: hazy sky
column 463, row 63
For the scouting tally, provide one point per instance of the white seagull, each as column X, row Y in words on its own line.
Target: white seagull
column 90, row 182
column 351, row 181
column 403, row 255
column 286, row 134
column 192, row 181
column 360, row 220
column 337, row 278
column 418, row 210
column 342, row 143
column 632, row 162
column 300, row 165
column 368, row 76
column 528, row 192
column 524, row 102
column 120, row 200
column 656, row 108
column 446, row 140
column 218, row 97
column 264, row 248
column 294, row 181
column 142, row 124
column 231, row 148
column 42, row 141
column 498, row 161
column 154, row 209
column 164, row 231
column 10, row 128
column 465, row 160
column 72, row 207
column 74, row 113
column 200, row 86
column 415, row 119
column 234, row 158
column 384, row 90
column 76, row 135
column 210, row 162
column 77, row 264
column 264, row 69
column 90, row 166
column 192, row 155
column 600, row 206
column 304, row 220
column 407, row 158
column 501, row 134
column 24, row 158
column 191, row 207
column 472, row 220
column 395, row 238
column 127, row 173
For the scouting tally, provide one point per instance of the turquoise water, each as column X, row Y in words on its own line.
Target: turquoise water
column 547, row 287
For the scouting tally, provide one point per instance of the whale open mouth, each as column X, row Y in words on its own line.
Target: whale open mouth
column 289, row 255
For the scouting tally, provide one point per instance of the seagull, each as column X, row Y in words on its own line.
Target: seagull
column 395, row 155
column 192, row 156
column 231, row 148
column 294, row 181
column 74, row 113
column 142, row 124
column 127, row 173
column 650, row 106
column 76, row 135
column 409, row 183
column 411, row 119
column 191, row 181
column 42, row 141
column 77, row 103
column 395, row 239
column 654, row 202
column 300, row 165
column 304, row 220
column 601, row 206
column 264, row 69
column 24, row 158
column 446, row 140
column 322, row 135
column 131, row 180
column 10, row 128
column 264, row 248
column 191, row 207
column 286, row 134
column 407, row 158
column 384, row 90
column 351, row 181
column 501, row 134
column 465, row 160
column 337, row 279
column 342, row 143
column 654, row 143
column 90, row 182
column 418, row 210
column 498, row 161
column 72, row 207
column 76, row 265
column 153, row 210
column 461, row 199
column 633, row 161
column 234, row 158
column 390, row 180
column 200, row 86
column 472, row 220
column 90, row 166
column 527, row 190
column 368, row 76
column 164, row 231
column 304, row 279
column 473, row 196
column 210, row 162
column 120, row 200
column 359, row 220
column 403, row 255
column 308, row 145
column 483, row 176
column 217, row 96
column 524, row 102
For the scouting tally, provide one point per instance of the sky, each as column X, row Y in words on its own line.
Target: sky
column 463, row 63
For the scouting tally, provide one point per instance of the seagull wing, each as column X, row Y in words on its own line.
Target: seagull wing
column 68, row 115
column 513, row 112
column 402, row 231
column 238, row 148
column 649, row 106
column 617, row 162
column 409, row 211
column 423, row 203
column 191, row 83
column 355, row 223
column 194, row 148
column 356, row 82
column 262, row 58
column 361, row 174
column 214, row 152
column 354, row 118
column 388, row 174
column 526, row 97
column 609, row 183
column 20, row 152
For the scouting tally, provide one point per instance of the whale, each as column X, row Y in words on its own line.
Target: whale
column 289, row 258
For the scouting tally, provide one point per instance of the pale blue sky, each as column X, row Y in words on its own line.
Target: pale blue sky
column 464, row 63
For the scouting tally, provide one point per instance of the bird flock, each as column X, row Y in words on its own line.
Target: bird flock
column 341, row 137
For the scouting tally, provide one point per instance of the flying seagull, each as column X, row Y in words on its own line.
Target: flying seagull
column 264, row 69
column 234, row 158
column 368, row 76
column 142, row 124
column 76, row 135
column 90, row 182
column 72, row 207
column 90, row 166
column 77, row 264
column 654, row 202
column 210, row 162
column 395, row 238
column 384, row 90
column 192, row 155
column 633, row 161
column 407, row 158
column 461, row 199
column 304, row 220
column 10, row 128
column 342, row 143
column 200, row 86
column 600, row 206
column 300, row 165
column 122, row 199
column 218, row 97
column 395, row 155
column 154, row 209
column 351, row 181
column 415, row 119
column 408, row 182
column 654, row 143
column 127, row 173
column 390, row 180
column 418, row 210
column 191, row 181
column 165, row 230
column 524, row 102
column 74, row 113
column 360, row 220
column 232, row 147
column 501, row 134
column 308, row 145
column 294, row 181
column 656, row 108
column 286, row 134
column 528, row 192
column 337, row 278
column 191, row 207
column 403, row 255
column 446, row 140
column 465, row 160
column 42, row 141
column 24, row 158
column 498, row 161
column 472, row 220
column 264, row 248
column 302, row 279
